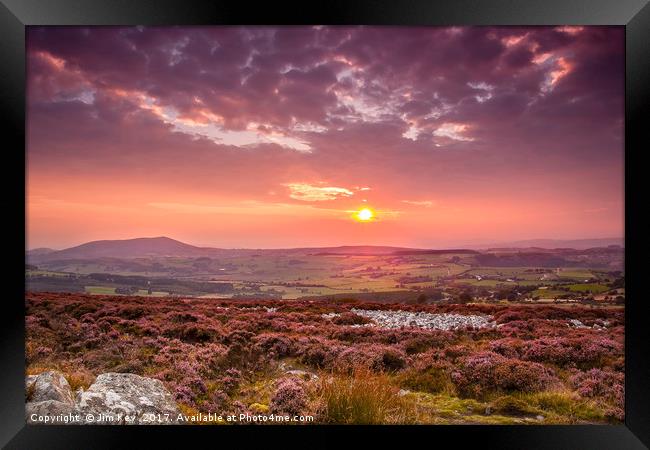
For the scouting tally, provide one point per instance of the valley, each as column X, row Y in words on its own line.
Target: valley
column 380, row 273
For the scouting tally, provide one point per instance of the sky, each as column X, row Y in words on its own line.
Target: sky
column 275, row 137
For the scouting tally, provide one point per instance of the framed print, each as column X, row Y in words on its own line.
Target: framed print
column 375, row 219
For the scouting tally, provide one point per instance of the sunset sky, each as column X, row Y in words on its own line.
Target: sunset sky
column 277, row 136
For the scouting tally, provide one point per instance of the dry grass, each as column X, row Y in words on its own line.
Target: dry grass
column 434, row 380
column 563, row 406
column 80, row 379
column 363, row 398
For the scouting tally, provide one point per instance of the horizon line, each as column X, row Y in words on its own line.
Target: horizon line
column 442, row 247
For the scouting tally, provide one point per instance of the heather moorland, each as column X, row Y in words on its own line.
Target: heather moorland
column 343, row 362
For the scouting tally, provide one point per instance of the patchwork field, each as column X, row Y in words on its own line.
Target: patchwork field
column 294, row 274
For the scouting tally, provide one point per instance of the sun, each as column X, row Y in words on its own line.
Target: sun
column 364, row 215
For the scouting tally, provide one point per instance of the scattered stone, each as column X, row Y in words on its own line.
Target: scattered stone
column 403, row 392
column 308, row 376
column 577, row 324
column 330, row 315
column 299, row 373
column 540, row 417
column 399, row 319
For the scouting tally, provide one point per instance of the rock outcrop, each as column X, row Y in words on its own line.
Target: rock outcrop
column 124, row 395
column 114, row 398
column 49, row 385
column 48, row 395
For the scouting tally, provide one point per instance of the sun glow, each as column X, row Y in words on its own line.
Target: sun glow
column 364, row 215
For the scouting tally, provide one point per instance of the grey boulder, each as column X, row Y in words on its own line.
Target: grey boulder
column 124, row 398
column 49, row 385
column 48, row 396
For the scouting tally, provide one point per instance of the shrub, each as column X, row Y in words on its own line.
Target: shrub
column 457, row 351
column 276, row 344
column 131, row 312
column 218, row 402
column 370, row 356
column 583, row 352
column 435, row 378
column 508, row 347
column 190, row 332
column 487, row 371
column 349, row 318
column 231, row 380
column 600, row 383
column 348, row 334
column 317, row 353
column 289, row 397
column 184, row 394
column 182, row 317
column 423, row 342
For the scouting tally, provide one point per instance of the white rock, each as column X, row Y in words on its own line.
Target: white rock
column 330, row 315
column 577, row 324
column 303, row 374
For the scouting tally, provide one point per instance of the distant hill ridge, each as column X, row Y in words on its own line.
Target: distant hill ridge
column 555, row 244
column 127, row 248
column 164, row 246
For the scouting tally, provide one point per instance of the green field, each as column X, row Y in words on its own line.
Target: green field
column 103, row 290
column 46, row 273
column 107, row 290
column 593, row 288
column 579, row 274
column 547, row 293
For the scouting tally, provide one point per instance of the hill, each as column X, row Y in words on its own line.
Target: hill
column 40, row 251
column 127, row 248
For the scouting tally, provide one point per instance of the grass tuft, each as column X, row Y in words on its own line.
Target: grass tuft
column 363, row 398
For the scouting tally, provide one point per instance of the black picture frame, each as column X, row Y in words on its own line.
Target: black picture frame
column 633, row 14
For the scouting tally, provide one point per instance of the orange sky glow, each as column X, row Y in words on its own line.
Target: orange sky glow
column 266, row 137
